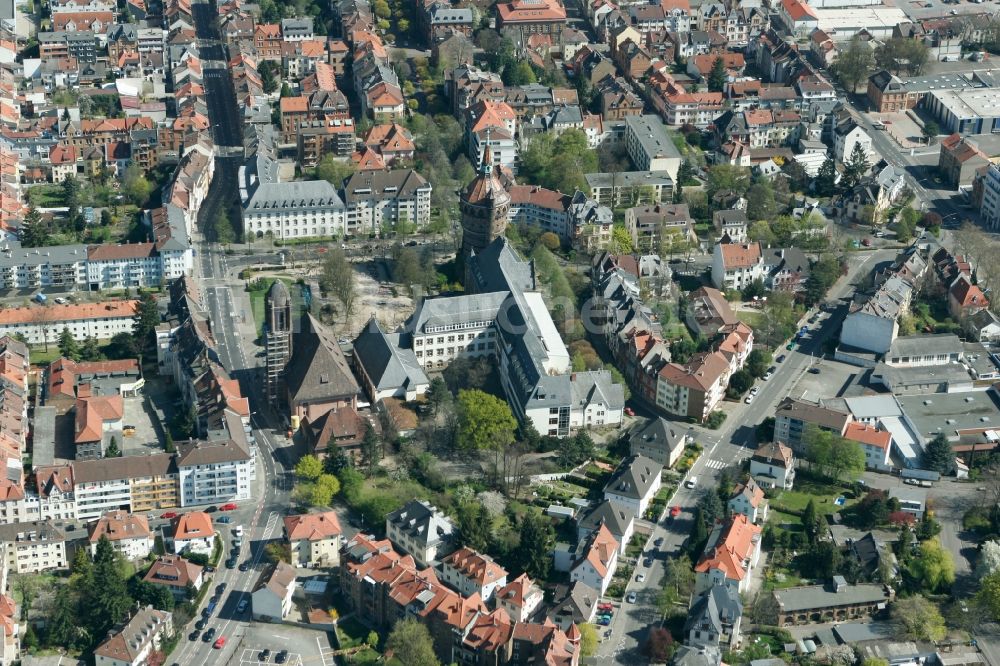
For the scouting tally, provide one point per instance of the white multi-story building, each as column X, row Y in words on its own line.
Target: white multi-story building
column 214, row 471
column 444, row 329
column 990, row 211
column 471, row 572
column 124, row 266
column 133, row 644
column 597, row 560
column 649, row 146
column 846, row 136
column 41, row 324
column 63, row 266
column 299, row 209
column 377, row 201
column 634, row 484
column 128, row 533
column 33, row 547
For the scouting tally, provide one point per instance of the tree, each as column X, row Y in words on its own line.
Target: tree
column 621, row 241
column 823, row 274
column 778, row 319
column 760, row 201
column 902, row 55
column 147, row 318
column 123, row 345
column 438, row 394
column 371, row 450
column 812, row 522
column 678, row 584
column 372, row 640
column 588, row 639
column 485, row 423
column 410, row 643
column 758, row 362
column 826, row 180
column 825, row 560
column 34, row 231
column 324, row 490
column 534, row 553
column 277, row 551
column 549, row 240
column 474, row 525
column 90, row 350
column 726, row 177
column 308, row 468
column 933, row 568
column 739, row 383
column 938, row 455
column 717, row 77
column 268, row 81
column 135, row 187
column 521, row 75
column 68, row 346
column 61, row 624
column 989, row 559
column 659, row 645
column 113, row 451
column 917, row 618
column 337, row 278
column 334, row 171
column 989, row 594
column 711, row 508
column 832, row 455
column 108, row 601
column 699, row 532
column 222, row 228
column 930, row 130
column 856, row 166
column 854, row 64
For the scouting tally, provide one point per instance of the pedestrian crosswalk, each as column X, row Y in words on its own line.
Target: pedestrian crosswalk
column 716, row 464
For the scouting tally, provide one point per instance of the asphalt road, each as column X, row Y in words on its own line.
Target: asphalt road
column 723, row 448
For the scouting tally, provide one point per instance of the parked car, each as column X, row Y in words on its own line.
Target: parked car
column 228, row 507
column 814, row 370
column 692, row 482
column 640, row 578
column 603, row 621
column 219, row 644
column 629, row 411
column 780, row 359
column 282, row 657
column 769, row 374
column 209, row 635
column 200, row 624
column 194, row 635
column 225, row 520
column 168, row 515
column 242, row 606
column 749, row 398
column 648, row 562
column 630, row 598
column 245, row 566
column 755, row 390
column 264, row 655
column 675, row 510
column 231, row 563
column 912, row 482
column 658, row 542
column 220, row 588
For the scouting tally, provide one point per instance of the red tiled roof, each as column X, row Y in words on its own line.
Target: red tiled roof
column 868, row 434
column 736, row 255
column 193, row 525
column 735, row 546
column 312, row 526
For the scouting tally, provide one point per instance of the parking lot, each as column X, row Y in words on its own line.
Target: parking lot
column 145, row 439
column 304, row 646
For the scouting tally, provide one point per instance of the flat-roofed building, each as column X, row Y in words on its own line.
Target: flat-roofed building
column 649, row 146
column 836, row 601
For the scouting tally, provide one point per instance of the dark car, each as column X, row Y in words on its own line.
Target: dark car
column 264, row 655
column 658, row 542
column 230, row 564
column 282, row 657
column 200, row 624
column 245, row 566
column 648, row 562
column 220, row 588
column 193, row 636
column 780, row 359
column 209, row 568
column 814, row 371
column 208, row 636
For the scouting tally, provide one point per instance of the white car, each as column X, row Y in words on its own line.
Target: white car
column 749, row 398
column 640, row 578
column 769, row 374
column 912, row 482
column 755, row 390
column 692, row 482
column 238, row 530
column 630, row 598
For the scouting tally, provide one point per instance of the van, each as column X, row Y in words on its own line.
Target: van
column 925, row 484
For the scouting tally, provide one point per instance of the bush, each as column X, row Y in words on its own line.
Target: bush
column 715, row 420
column 977, row 519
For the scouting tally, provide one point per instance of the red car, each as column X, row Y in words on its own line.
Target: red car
column 675, row 511
column 630, row 411
column 169, row 514
column 228, row 507
column 220, row 643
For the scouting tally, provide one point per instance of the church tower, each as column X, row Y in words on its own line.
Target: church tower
column 485, row 204
column 277, row 340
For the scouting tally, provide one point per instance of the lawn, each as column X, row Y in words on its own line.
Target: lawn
column 366, row 656
column 351, row 633
column 751, row 318
column 46, row 196
column 821, row 492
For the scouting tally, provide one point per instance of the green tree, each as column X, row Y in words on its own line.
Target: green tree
column 320, row 492
column 699, row 532
column 726, row 177
column 334, row 171
column 831, row 455
column 938, row 455
column 147, row 318
column 474, row 525
column 485, row 423
column 989, row 593
column 717, row 76
column 538, row 538
column 108, row 601
column 739, row 383
column 90, row 350
column 438, row 395
column 826, row 180
column 854, row 64
column 522, row 74
column 372, row 640
column 621, row 241
column 856, row 166
column 901, row 55
column 34, row 232
column 588, row 639
column 711, row 508
column 917, row 618
column 930, row 130
column 113, row 451
column 308, row 468
column 758, row 362
column 371, row 450
column 61, row 623
column 222, row 228
column 678, row 585
column 933, row 568
column 135, row 187
column 410, row 643
column 812, row 521
column 123, row 345
column 824, row 273
column 778, row 319
column 760, row 201
column 68, row 346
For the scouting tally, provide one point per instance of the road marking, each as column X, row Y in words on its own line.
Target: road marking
column 716, row 464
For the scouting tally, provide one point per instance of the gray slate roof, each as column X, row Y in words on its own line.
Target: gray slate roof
column 464, row 309
column 422, row 521
column 808, row 597
column 659, row 433
column 719, row 606
column 380, row 185
column 615, row 516
column 388, row 366
column 634, row 477
column 499, row 268
column 318, row 369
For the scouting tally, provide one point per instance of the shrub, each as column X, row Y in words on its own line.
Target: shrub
column 715, row 420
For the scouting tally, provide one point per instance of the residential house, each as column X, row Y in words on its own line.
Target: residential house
column 314, row 538
column 177, row 574
column 134, row 642
column 659, row 440
column 193, row 533
column 959, row 159
column 271, row 598
column 384, row 200
column 470, row 572
column 736, row 266
column 875, row 442
column 128, row 533
column 965, row 298
column 731, row 225
column 634, row 483
column 695, row 388
column 793, row 416
column 748, row 499
column 732, row 551
column 714, row 619
column 773, row 466
column 615, row 516
column 420, row 529
column 32, row 547
column 983, row 326
column 579, row 606
column 708, row 313
column 597, row 560
column 518, row 18
column 660, row 227
column 846, row 135
column 520, row 598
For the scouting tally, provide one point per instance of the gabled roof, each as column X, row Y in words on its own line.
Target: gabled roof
column 193, row 525
column 172, row 571
column 119, row 526
column 868, row 435
column 774, row 453
column 613, row 515
column 318, row 369
column 600, row 550
column 735, row 545
column 736, row 255
column 474, row 566
column 312, row 526
column 634, row 477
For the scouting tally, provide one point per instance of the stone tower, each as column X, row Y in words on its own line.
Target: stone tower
column 485, row 204
column 277, row 340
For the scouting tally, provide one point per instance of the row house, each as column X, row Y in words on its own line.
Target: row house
column 267, row 41
column 518, row 19
column 738, row 265
column 379, row 200
column 191, row 181
column 320, row 105
column 99, row 132
column 327, row 136
column 300, row 57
